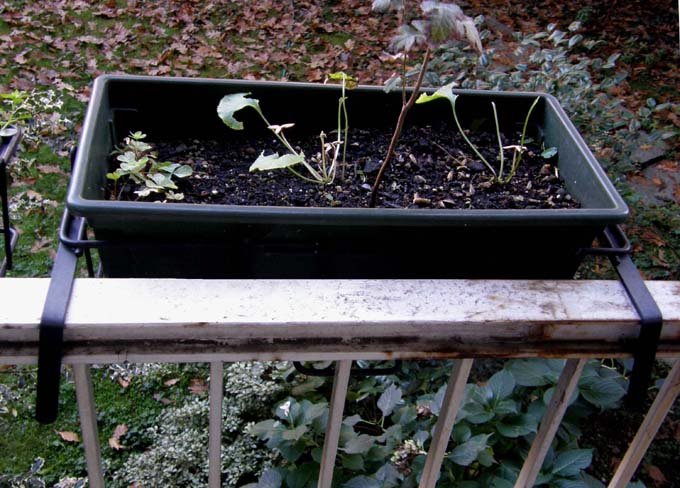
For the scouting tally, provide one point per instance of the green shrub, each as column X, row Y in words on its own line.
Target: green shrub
column 390, row 420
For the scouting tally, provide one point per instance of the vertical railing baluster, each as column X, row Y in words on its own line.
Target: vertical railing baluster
column 552, row 418
column 447, row 417
column 88, row 424
column 650, row 426
column 330, row 445
column 215, row 427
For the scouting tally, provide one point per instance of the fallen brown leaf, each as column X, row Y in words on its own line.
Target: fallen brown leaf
column 197, row 386
column 40, row 245
column 68, row 436
column 655, row 473
column 119, row 431
column 171, row 382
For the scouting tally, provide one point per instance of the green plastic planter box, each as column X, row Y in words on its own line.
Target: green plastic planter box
column 224, row 241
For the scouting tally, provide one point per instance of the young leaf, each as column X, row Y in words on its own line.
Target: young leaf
column 230, row 104
column 549, row 152
column 274, row 161
column 445, row 91
column 183, row 171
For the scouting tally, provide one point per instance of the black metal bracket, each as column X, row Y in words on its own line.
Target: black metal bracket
column 330, row 370
column 618, row 249
column 52, row 322
column 7, row 151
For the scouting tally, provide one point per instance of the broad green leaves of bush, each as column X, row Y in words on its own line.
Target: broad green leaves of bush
column 390, row 420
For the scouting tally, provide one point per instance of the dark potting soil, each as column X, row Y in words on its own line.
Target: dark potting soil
column 433, row 168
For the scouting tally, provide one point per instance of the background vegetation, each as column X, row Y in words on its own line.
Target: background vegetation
column 614, row 70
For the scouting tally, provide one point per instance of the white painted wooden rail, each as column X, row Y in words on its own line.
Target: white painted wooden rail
column 213, row 321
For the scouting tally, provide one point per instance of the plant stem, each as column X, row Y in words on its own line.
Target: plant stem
column 500, row 143
column 397, row 130
column 515, row 165
column 469, row 142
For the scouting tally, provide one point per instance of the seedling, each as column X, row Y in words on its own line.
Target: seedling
column 326, row 160
column 446, row 92
column 442, row 22
column 15, row 108
column 139, row 165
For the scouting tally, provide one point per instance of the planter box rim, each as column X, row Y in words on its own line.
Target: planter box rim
column 617, row 212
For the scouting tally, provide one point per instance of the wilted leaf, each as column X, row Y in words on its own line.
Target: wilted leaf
column 655, row 473
column 171, row 382
column 50, row 169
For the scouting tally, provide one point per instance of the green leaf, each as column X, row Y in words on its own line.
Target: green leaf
column 302, row 476
column 362, row 482
column 311, row 411
column 549, row 152
column 497, row 482
column 264, row 429
column 291, row 452
column 230, row 104
column 353, row 462
column 294, row 434
column 517, row 426
column 532, row 372
column 486, row 458
column 183, row 171
column 570, row 463
column 575, row 40
column 163, row 181
column 502, row 384
column 466, row 453
column 359, row 444
column 445, row 91
column 270, row 479
column 274, row 161
column 312, row 383
column 353, row 420
column 506, row 407
column 461, row 433
column 601, row 392
column 389, row 399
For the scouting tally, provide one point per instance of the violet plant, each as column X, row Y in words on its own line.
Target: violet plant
column 331, row 156
column 140, row 166
column 446, row 92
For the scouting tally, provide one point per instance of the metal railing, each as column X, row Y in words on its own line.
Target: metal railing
column 218, row 321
